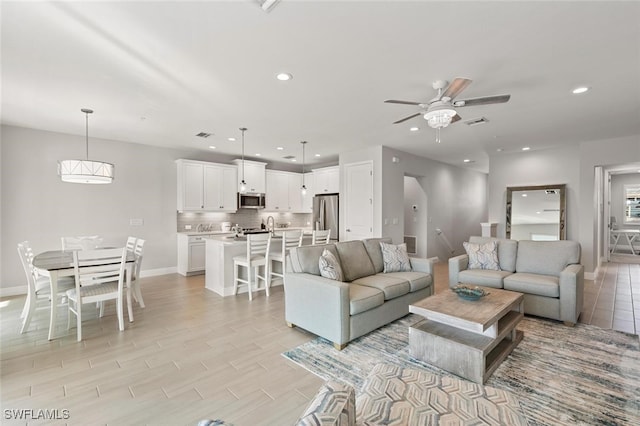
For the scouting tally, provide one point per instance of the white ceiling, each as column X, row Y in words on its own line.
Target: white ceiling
column 157, row 73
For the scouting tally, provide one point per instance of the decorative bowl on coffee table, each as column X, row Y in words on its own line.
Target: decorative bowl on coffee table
column 468, row 293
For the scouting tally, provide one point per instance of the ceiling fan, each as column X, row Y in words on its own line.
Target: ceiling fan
column 441, row 110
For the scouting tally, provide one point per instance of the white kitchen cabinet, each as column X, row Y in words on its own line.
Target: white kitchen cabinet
column 307, row 199
column 327, row 180
column 206, row 186
column 277, row 191
column 254, row 175
column 220, row 188
column 191, row 254
column 284, row 192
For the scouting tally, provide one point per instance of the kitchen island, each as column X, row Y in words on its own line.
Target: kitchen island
column 220, row 251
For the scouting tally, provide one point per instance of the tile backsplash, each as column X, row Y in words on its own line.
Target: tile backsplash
column 246, row 218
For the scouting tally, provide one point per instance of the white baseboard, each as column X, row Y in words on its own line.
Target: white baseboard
column 159, row 271
column 242, row 289
column 13, row 291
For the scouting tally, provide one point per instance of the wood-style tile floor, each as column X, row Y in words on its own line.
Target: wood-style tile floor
column 191, row 354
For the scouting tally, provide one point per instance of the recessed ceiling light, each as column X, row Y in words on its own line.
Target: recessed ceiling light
column 579, row 90
column 212, row 147
column 538, row 212
column 231, row 139
column 499, row 150
column 414, row 129
column 524, row 195
column 466, row 160
column 258, row 154
column 317, row 155
column 294, row 160
column 284, row 76
column 279, row 148
column 526, row 148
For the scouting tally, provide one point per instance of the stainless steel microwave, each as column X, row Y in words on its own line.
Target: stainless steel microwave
column 250, row 200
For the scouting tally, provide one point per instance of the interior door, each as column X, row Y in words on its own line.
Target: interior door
column 358, row 201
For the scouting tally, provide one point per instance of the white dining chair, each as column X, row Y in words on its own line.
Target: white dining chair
column 99, row 276
column 131, row 243
column 135, row 276
column 290, row 239
column 38, row 287
column 256, row 256
column 320, row 237
column 91, row 242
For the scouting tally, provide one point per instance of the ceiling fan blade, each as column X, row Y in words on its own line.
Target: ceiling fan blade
column 498, row 99
column 456, row 86
column 393, row 101
column 456, row 118
column 407, row 118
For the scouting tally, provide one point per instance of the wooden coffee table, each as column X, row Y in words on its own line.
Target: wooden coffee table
column 467, row 338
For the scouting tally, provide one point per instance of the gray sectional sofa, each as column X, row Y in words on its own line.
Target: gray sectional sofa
column 366, row 300
column 547, row 272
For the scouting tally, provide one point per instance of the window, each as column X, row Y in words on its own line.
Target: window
column 632, row 204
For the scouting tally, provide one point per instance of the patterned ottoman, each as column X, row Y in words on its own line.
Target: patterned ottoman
column 394, row 395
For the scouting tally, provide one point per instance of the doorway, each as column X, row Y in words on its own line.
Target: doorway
column 415, row 216
column 618, row 228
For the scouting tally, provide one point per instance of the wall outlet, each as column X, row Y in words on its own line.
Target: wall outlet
column 187, row 227
column 395, row 221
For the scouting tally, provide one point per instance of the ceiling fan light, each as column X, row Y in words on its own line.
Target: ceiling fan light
column 441, row 117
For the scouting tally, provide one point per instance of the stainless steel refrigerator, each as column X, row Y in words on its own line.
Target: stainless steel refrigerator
column 325, row 214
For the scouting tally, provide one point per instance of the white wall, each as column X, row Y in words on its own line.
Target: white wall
column 573, row 165
column 456, row 197
column 544, row 167
column 38, row 207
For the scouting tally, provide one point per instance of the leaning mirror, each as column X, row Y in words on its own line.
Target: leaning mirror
column 632, row 204
column 536, row 212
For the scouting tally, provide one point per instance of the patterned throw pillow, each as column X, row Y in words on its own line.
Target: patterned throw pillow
column 482, row 256
column 330, row 267
column 395, row 258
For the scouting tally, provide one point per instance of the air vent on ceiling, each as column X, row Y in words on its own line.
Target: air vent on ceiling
column 551, row 191
column 289, row 157
column 203, row 135
column 551, row 210
column 476, row 121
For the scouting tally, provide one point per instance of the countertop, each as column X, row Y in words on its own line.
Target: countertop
column 191, row 233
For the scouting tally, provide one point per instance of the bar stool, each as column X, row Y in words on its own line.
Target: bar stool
column 320, row 237
column 289, row 239
column 256, row 256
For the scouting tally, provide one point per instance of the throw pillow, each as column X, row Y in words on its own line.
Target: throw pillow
column 395, row 257
column 482, row 256
column 329, row 266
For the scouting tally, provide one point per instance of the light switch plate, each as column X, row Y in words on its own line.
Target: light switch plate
column 136, row 222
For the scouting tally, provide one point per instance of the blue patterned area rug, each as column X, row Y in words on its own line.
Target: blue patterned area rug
column 561, row 375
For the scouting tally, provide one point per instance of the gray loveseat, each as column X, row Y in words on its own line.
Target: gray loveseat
column 547, row 272
column 368, row 299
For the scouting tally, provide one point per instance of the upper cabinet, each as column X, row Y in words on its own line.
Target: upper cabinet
column 307, row 199
column 284, row 193
column 326, row 180
column 206, row 186
column 254, row 175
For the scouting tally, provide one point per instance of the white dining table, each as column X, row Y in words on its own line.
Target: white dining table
column 59, row 263
column 630, row 235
